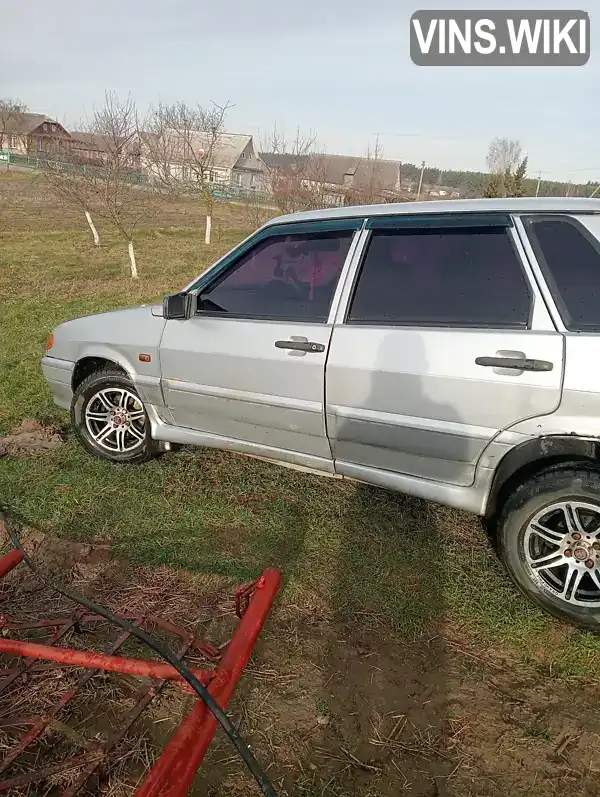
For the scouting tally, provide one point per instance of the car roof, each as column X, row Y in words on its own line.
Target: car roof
column 511, row 205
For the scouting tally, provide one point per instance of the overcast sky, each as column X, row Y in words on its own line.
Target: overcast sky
column 339, row 67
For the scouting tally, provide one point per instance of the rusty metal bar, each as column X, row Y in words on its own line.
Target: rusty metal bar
column 203, row 647
column 99, row 661
column 13, row 674
column 9, row 561
column 208, row 650
column 174, row 772
column 146, row 697
column 46, row 772
column 41, row 723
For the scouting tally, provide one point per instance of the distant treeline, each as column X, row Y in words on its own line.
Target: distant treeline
column 473, row 184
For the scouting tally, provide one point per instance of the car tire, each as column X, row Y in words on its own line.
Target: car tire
column 555, row 517
column 110, row 420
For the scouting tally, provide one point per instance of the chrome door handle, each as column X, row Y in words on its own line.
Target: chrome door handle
column 299, row 345
column 515, row 363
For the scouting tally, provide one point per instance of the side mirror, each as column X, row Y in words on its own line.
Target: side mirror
column 178, row 306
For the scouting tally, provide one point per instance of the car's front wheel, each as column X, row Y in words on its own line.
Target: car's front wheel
column 549, row 540
column 109, row 418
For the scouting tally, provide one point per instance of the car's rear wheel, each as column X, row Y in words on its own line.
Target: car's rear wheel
column 549, row 540
column 109, row 418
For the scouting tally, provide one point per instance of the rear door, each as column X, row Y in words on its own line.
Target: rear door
column 425, row 362
column 248, row 370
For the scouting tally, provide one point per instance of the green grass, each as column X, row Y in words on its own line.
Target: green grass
column 386, row 563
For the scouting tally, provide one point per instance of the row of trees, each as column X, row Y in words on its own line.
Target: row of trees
column 129, row 170
column 170, row 152
column 135, row 162
column 472, row 184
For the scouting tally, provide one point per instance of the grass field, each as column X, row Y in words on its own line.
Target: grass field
column 391, row 575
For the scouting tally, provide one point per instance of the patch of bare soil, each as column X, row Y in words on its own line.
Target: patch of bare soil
column 336, row 714
column 28, row 438
column 330, row 710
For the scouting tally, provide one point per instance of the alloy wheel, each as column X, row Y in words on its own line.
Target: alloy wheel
column 115, row 420
column 561, row 547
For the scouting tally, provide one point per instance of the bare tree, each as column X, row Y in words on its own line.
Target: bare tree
column 503, row 154
column 183, row 151
column 106, row 182
column 297, row 175
column 10, row 111
column 254, row 211
column 372, row 182
column 507, row 168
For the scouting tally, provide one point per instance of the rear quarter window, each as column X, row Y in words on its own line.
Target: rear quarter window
column 569, row 256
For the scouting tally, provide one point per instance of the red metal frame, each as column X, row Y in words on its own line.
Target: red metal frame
column 174, row 772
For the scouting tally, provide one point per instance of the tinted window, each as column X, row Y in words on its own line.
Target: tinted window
column 461, row 277
column 571, row 263
column 286, row 276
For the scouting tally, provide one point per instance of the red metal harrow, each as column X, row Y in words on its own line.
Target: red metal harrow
column 174, row 772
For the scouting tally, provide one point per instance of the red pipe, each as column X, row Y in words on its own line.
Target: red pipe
column 10, row 560
column 175, row 770
column 98, row 661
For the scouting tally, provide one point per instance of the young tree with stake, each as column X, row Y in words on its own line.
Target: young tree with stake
column 108, row 185
column 181, row 149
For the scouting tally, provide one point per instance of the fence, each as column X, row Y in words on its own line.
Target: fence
column 40, row 163
column 228, row 191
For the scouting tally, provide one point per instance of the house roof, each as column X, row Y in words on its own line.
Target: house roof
column 226, row 149
column 338, row 170
column 277, row 160
column 225, row 152
column 25, row 123
column 97, row 142
column 380, row 173
column 520, row 205
column 93, row 141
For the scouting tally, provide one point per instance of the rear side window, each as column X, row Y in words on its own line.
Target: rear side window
column 466, row 277
column 569, row 256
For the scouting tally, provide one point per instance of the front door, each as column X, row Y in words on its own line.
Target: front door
column 248, row 370
column 423, row 370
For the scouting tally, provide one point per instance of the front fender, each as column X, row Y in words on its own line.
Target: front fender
column 144, row 375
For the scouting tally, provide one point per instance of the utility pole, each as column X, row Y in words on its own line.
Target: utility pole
column 420, row 181
column 539, row 180
column 595, row 191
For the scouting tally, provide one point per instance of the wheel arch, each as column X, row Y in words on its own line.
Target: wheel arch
column 530, row 458
column 95, row 359
column 87, row 366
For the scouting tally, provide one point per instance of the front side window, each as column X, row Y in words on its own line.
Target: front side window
column 284, row 276
column 464, row 277
column 570, row 259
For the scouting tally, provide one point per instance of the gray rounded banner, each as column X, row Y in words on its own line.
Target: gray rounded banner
column 500, row 38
